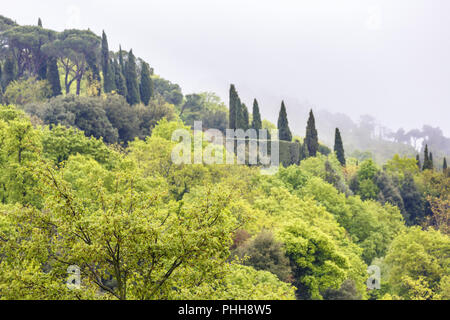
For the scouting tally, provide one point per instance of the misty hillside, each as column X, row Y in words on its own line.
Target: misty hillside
column 100, row 200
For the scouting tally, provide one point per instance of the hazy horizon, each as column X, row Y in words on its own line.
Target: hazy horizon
column 383, row 58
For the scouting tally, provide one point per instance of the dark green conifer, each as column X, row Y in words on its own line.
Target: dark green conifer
column 444, row 165
column 39, row 22
column 53, row 76
column 284, row 132
column 339, row 147
column 311, row 139
column 131, row 80
column 9, row 71
column 245, row 117
column 233, row 107
column 256, row 121
column 108, row 76
column 146, row 84
column 121, row 85
column 431, row 161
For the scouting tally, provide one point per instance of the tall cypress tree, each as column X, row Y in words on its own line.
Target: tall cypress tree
column 108, row 76
column 311, row 139
column 146, row 84
column 122, row 66
column 339, row 147
column 39, row 22
column 53, row 76
column 244, row 117
column 121, row 85
column 444, row 165
column 131, row 79
column 427, row 159
column 283, row 126
column 233, row 107
column 256, row 121
column 9, row 71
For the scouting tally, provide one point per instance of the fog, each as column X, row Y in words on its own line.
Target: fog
column 389, row 59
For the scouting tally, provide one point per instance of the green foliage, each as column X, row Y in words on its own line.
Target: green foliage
column 169, row 91
column 418, row 262
column 59, row 143
column 265, row 253
column 21, row 92
column 75, row 50
column 283, row 125
column 206, row 107
column 243, row 283
column 28, row 42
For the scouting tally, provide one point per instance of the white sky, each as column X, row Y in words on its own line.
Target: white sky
column 389, row 58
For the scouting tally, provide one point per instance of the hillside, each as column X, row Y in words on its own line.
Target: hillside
column 88, row 181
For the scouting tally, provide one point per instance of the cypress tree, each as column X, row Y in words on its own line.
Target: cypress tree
column 233, row 107
column 311, row 139
column 146, row 85
column 121, row 85
column 418, row 162
column 339, row 147
column 283, row 126
column 39, row 22
column 256, row 121
column 431, row 165
column 131, row 80
column 245, row 117
column 425, row 158
column 444, row 165
column 108, row 76
column 122, row 66
column 9, row 71
column 239, row 115
column 53, row 76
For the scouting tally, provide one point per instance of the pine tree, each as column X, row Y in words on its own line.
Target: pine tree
column 146, row 84
column 311, row 139
column 256, row 121
column 283, row 126
column 121, row 85
column 418, row 162
column 131, row 79
column 39, row 22
column 339, row 147
column 431, row 165
column 444, row 165
column 53, row 76
column 233, row 107
column 108, row 76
